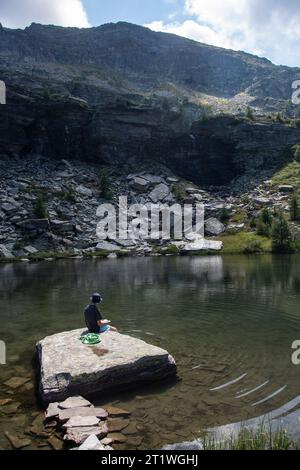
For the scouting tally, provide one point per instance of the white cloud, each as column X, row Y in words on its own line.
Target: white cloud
column 269, row 28
column 21, row 13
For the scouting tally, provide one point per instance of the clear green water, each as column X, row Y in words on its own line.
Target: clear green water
column 222, row 318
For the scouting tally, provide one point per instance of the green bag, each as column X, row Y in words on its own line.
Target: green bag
column 90, row 339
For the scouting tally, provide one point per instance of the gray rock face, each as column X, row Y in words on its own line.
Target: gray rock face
column 68, row 367
column 214, row 227
column 159, row 193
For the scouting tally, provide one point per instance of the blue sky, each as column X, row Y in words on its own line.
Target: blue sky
column 268, row 28
column 134, row 11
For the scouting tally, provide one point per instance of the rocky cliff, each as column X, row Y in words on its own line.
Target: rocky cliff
column 120, row 94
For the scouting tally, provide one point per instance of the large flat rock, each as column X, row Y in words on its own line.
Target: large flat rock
column 70, row 368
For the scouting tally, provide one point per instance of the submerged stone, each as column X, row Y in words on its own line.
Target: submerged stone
column 16, row 442
column 115, row 412
column 69, row 367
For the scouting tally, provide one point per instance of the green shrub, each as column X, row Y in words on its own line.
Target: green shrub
column 224, row 215
column 245, row 199
column 69, row 195
column 40, row 210
column 179, row 192
column 253, row 246
column 264, row 223
column 263, row 229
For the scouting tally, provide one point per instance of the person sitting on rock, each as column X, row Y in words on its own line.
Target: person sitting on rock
column 93, row 317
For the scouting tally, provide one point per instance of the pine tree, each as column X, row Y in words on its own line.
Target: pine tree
column 297, row 153
column 250, row 114
column 105, row 185
column 40, row 210
column 294, row 208
column 281, row 235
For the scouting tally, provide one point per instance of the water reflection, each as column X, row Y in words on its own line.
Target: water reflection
column 227, row 320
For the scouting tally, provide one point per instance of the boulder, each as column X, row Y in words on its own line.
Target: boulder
column 200, row 244
column 139, row 184
column 83, row 191
column 261, row 201
column 214, row 227
column 153, row 179
column 107, row 246
column 159, row 193
column 69, row 367
column 285, row 188
column 5, row 253
column 30, row 250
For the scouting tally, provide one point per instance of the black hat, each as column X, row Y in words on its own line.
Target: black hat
column 96, row 298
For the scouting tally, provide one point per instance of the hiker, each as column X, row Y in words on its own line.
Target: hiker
column 93, row 318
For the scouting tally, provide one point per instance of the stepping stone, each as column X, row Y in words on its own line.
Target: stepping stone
column 79, row 435
column 81, row 421
column 52, row 411
column 74, row 402
column 64, row 415
column 92, row 443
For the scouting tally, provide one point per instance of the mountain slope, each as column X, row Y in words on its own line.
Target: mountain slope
column 120, row 94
